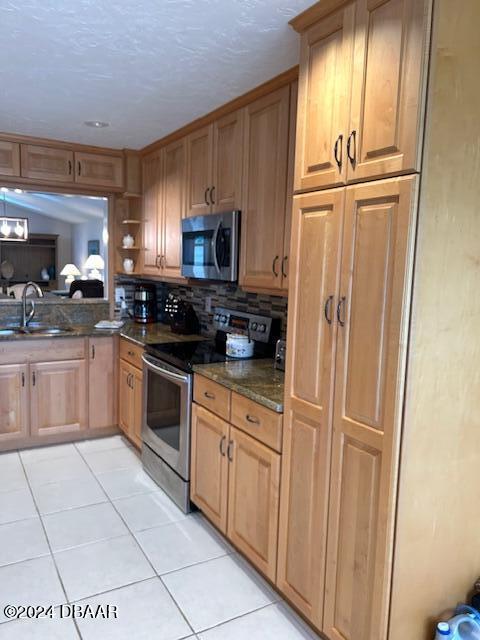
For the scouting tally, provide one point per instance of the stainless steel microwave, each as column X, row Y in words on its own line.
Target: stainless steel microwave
column 210, row 246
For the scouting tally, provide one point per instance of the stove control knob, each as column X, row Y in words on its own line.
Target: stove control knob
column 223, row 319
column 254, row 326
column 216, row 317
column 262, row 328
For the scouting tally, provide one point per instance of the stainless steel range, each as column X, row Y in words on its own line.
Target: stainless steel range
column 168, row 390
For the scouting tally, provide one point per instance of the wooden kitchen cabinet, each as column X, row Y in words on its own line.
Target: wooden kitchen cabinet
column 99, row 170
column 362, row 93
column 323, row 101
column 9, row 158
column 102, row 382
column 13, row 402
column 130, row 401
column 314, row 285
column 47, row 163
column 253, row 498
column 172, row 212
column 199, row 171
column 152, row 193
column 226, row 193
column 58, row 397
column 376, row 264
column 209, row 465
column 264, row 191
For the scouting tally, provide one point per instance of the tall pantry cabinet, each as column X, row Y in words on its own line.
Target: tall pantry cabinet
column 360, row 119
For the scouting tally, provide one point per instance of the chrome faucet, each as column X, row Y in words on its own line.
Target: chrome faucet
column 26, row 319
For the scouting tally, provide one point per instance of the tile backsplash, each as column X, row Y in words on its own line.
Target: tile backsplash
column 222, row 295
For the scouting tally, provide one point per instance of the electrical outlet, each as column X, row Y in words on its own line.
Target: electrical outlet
column 208, row 304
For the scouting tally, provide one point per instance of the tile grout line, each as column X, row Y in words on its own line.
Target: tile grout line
column 49, row 545
column 147, row 558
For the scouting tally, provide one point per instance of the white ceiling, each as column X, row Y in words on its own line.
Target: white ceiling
column 71, row 209
column 147, row 66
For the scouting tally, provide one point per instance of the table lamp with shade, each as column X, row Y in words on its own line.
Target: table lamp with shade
column 70, row 271
column 95, row 263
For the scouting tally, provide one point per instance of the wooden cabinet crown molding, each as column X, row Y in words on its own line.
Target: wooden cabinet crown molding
column 315, row 13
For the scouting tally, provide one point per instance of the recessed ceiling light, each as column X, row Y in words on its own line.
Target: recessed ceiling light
column 96, row 124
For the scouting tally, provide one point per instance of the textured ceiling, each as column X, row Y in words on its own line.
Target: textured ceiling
column 147, row 67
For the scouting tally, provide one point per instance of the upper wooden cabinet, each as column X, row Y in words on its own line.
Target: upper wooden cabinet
column 172, row 207
column 361, row 95
column 264, row 191
column 214, row 166
column 199, row 171
column 152, row 190
column 98, row 169
column 9, row 158
column 323, row 101
column 46, row 163
column 64, row 165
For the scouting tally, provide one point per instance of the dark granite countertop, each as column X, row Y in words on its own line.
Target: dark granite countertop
column 257, row 380
column 140, row 334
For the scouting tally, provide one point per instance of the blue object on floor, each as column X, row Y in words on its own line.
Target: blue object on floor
column 465, row 625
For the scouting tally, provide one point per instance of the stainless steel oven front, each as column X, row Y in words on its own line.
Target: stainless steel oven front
column 166, row 427
column 210, row 246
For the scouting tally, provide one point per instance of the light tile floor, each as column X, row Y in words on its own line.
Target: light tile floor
column 84, row 524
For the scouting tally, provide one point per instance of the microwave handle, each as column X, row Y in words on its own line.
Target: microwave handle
column 214, row 246
column 162, row 371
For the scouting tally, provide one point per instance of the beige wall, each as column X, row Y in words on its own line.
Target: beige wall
column 438, row 534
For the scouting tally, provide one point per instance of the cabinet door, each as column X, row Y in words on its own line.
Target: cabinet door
column 370, row 364
column 199, row 171
column 58, row 392
column 102, row 382
column 13, row 402
column 45, row 163
column 285, row 266
column 227, row 162
column 152, row 190
column 388, row 87
column 174, row 181
column 253, row 498
column 98, row 170
column 324, row 100
column 314, row 283
column 264, row 190
column 209, row 465
column 126, row 408
column 9, row 158
column 137, row 384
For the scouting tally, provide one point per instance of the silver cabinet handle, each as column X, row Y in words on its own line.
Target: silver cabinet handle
column 341, row 303
column 222, row 448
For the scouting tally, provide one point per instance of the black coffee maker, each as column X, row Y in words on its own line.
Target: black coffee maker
column 145, row 303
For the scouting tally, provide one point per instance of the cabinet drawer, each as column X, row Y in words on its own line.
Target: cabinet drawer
column 213, row 396
column 261, row 423
column 41, row 350
column 131, row 352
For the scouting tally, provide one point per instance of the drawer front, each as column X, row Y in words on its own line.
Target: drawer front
column 213, row 396
column 42, row 350
column 259, row 422
column 131, row 352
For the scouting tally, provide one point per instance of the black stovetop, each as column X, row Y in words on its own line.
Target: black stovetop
column 185, row 355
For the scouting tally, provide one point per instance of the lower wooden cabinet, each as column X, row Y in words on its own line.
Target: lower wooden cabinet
column 13, row 401
column 235, row 481
column 58, row 397
column 130, row 401
column 253, row 500
column 209, row 466
column 102, row 383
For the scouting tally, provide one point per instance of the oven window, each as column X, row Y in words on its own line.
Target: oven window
column 163, row 409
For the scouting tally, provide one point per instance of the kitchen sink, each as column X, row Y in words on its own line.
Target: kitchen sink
column 9, row 331
column 46, row 331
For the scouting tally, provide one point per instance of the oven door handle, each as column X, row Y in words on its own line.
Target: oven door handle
column 162, row 371
column 214, row 246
